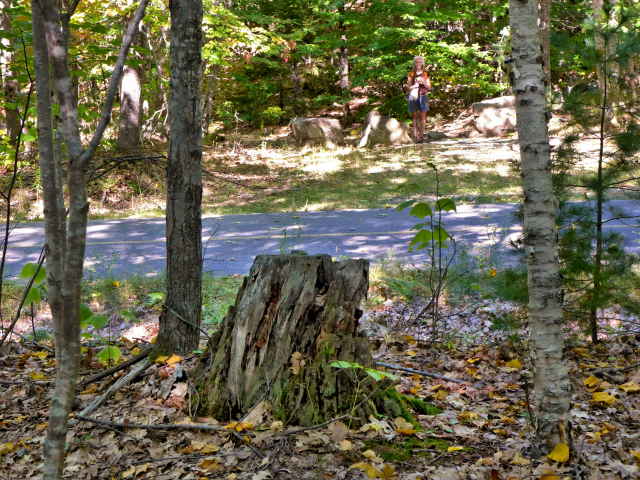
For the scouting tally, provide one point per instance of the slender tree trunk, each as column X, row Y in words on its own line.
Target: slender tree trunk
column 10, row 87
column 130, row 103
column 551, row 379
column 180, row 317
column 544, row 23
column 65, row 256
column 344, row 52
column 212, row 90
column 51, row 173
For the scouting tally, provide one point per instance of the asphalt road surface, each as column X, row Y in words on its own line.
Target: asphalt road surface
column 137, row 246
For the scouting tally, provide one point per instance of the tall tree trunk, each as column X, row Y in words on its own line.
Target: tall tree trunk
column 544, row 22
column 9, row 86
column 212, row 90
column 344, row 52
column 130, row 102
column 180, row 317
column 65, row 256
column 551, row 378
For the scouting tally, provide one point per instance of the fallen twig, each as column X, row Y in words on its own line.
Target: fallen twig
column 177, row 426
column 420, row 372
column 313, row 427
column 125, row 380
column 117, row 368
column 26, row 382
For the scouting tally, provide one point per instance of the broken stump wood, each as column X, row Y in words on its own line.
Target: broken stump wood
column 294, row 315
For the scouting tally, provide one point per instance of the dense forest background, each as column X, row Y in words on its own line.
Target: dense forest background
column 269, row 61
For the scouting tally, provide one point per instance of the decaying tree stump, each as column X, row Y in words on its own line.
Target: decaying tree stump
column 294, row 315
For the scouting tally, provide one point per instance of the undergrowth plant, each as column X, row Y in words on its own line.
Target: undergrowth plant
column 598, row 271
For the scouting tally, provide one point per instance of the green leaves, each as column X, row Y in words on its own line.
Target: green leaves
column 109, row 353
column 30, row 269
column 155, row 299
column 32, row 297
column 128, row 316
column 421, row 210
column 97, row 321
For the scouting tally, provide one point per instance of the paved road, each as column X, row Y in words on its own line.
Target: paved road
column 137, row 246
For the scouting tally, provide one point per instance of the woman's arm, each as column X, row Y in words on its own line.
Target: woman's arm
column 412, row 85
column 428, row 82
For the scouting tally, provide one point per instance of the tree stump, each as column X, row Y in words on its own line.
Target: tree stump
column 294, row 315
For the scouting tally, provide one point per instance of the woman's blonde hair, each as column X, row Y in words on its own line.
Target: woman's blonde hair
column 413, row 65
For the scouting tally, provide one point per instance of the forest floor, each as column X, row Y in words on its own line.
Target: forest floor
column 483, row 430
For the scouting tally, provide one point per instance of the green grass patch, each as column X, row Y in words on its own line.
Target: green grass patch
column 399, row 451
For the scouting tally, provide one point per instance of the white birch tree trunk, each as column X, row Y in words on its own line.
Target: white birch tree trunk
column 551, row 377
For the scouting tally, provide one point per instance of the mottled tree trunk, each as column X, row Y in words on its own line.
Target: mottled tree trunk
column 65, row 250
column 551, row 380
column 180, row 317
column 129, row 125
column 10, row 87
column 344, row 52
column 212, row 90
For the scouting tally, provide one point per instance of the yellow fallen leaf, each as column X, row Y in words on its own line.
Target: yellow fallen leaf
column 41, row 355
column 414, row 391
column 411, row 353
column 36, row 376
column 629, row 387
column 136, row 351
column 508, row 420
column 406, row 431
column 493, row 272
column 603, row 364
column 89, row 391
column 162, row 359
column 209, row 448
column 455, row 449
column 141, row 469
column 6, row 448
column 441, row 395
column 416, row 377
column 19, row 418
column 594, row 437
column 153, row 340
column 346, row 445
column 583, row 352
column 586, row 367
column 387, row 471
column 210, row 464
column 592, row 381
column 277, row 426
column 129, row 473
column 468, row 416
column 41, row 426
column 51, row 363
column 518, row 459
column 174, row 359
column 635, row 454
column 474, row 360
column 115, row 283
column 370, row 454
column 514, row 364
column 604, row 397
column 560, row 453
column 372, row 472
column 549, row 475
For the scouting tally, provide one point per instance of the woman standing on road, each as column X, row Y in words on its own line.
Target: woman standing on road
column 419, row 84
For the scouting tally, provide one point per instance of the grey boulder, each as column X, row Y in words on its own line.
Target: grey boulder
column 495, row 117
column 378, row 129
column 317, row 131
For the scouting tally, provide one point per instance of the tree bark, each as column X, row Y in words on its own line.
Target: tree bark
column 65, row 259
column 551, row 380
column 10, row 87
column 344, row 52
column 544, row 23
column 180, row 317
column 130, row 101
column 293, row 317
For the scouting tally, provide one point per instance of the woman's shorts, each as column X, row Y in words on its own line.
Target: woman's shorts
column 420, row 105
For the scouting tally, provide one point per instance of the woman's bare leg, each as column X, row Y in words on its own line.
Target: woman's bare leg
column 415, row 125
column 423, row 121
